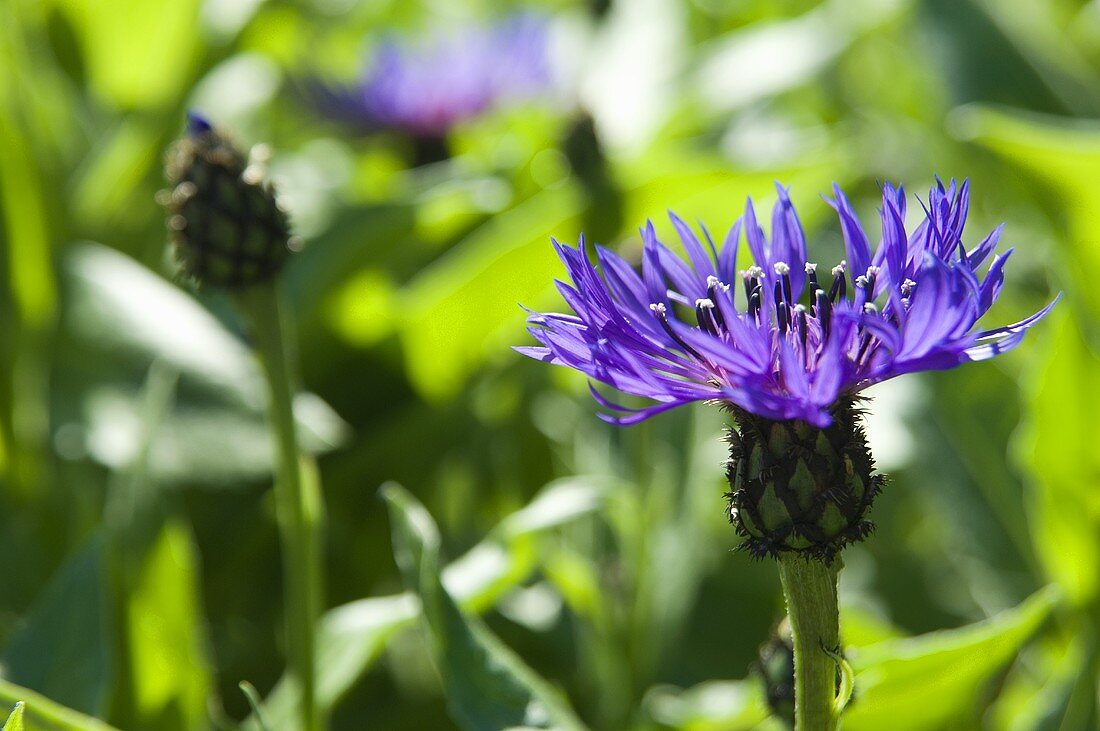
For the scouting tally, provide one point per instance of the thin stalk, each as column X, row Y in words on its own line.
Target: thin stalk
column 809, row 587
column 297, row 502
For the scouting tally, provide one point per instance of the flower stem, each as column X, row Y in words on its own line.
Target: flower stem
column 298, row 504
column 809, row 586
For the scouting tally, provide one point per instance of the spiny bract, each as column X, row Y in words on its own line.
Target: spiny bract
column 227, row 228
column 799, row 488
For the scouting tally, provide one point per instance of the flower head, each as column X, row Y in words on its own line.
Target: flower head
column 424, row 90
column 781, row 339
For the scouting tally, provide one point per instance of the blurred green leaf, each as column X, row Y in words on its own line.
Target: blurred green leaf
column 139, row 54
column 463, row 309
column 203, row 443
column 254, row 701
column 116, row 304
column 73, row 666
column 717, row 705
column 1062, row 396
column 107, row 186
column 169, row 666
column 1064, row 154
column 488, row 687
column 42, row 714
column 917, row 683
column 352, row 636
column 15, row 720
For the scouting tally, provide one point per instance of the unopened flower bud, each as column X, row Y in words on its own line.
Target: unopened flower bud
column 227, row 228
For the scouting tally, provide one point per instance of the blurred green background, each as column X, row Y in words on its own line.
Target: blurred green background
column 140, row 579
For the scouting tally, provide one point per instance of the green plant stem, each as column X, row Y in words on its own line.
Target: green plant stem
column 298, row 504
column 810, row 589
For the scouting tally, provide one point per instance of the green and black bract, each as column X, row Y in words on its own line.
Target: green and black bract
column 798, row 488
column 227, row 228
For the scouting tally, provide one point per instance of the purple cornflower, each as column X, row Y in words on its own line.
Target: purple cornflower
column 800, row 339
column 425, row 89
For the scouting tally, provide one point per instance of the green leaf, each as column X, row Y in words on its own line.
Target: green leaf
column 351, row 637
column 1064, row 155
column 716, row 705
column 918, row 683
column 15, row 720
column 42, row 714
column 122, row 309
column 1063, row 396
column 74, row 666
column 487, row 686
column 138, row 54
column 464, row 308
column 169, row 667
column 254, row 701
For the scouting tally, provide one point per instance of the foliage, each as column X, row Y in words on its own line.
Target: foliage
column 141, row 584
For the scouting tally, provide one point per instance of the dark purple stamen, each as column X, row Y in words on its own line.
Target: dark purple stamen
column 839, row 288
column 824, row 312
column 704, row 315
column 662, row 317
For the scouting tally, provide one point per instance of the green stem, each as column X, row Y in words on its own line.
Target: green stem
column 298, row 503
column 809, row 586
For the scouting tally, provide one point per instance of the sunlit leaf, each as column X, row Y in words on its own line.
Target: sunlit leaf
column 916, row 683
column 15, row 720
column 1063, row 394
column 487, row 686
column 169, row 664
column 463, row 309
column 351, row 637
column 115, row 303
column 717, row 705
column 42, row 714
column 1064, row 155
column 144, row 61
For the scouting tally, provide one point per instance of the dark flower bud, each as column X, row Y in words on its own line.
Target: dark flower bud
column 775, row 663
column 227, row 228
column 796, row 487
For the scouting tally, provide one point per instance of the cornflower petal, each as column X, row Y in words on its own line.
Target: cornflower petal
column 674, row 335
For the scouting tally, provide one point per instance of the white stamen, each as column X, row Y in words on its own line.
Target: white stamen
column 861, row 281
column 713, row 281
column 873, row 271
column 755, row 272
column 839, row 269
column 870, row 308
column 781, row 268
column 799, row 309
column 811, row 267
column 658, row 308
column 705, row 302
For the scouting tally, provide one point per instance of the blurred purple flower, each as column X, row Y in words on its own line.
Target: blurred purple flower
column 427, row 88
column 796, row 345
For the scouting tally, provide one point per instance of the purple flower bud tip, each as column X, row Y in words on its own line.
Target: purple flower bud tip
column 789, row 351
column 197, row 124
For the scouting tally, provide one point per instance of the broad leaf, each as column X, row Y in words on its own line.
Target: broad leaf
column 921, row 683
column 716, row 705
column 42, row 714
column 170, row 670
column 487, row 686
column 60, row 651
column 352, row 636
